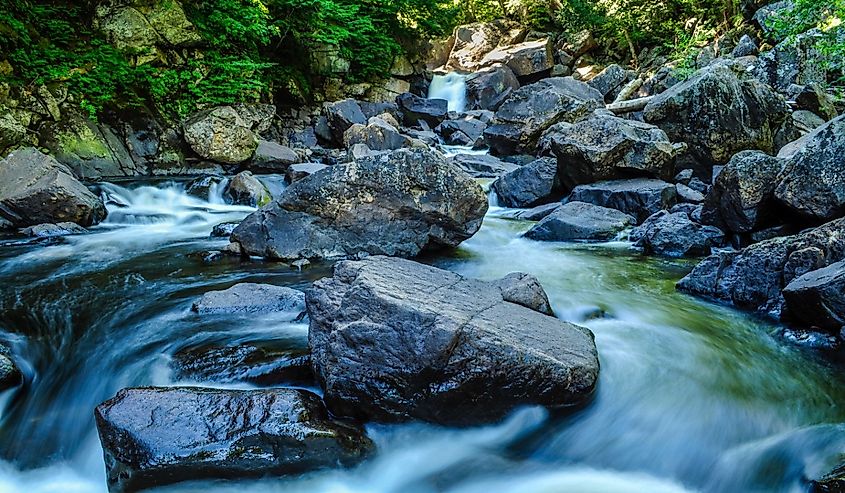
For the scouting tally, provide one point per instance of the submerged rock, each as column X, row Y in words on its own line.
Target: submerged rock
column 50, row 230
column 248, row 297
column 639, row 197
column 36, row 189
column 156, row 436
column 754, row 277
column 393, row 339
column 817, row 298
column 575, row 221
column 245, row 363
column 10, row 375
column 400, row 203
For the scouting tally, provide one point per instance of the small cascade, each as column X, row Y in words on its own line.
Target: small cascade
column 452, row 87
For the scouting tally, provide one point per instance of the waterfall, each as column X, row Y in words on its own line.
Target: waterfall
column 452, row 87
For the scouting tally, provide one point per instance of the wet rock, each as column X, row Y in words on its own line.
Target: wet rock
column 299, row 171
column 245, row 189
column 49, row 230
column 817, row 298
column 813, row 183
column 245, row 363
column 609, row 80
column 272, row 157
column 415, row 109
column 605, row 147
column 537, row 213
column 832, row 482
column 526, row 60
column 482, row 165
column 36, row 189
column 340, row 116
column 532, row 109
column 638, row 197
column 718, row 112
column 221, row 135
column 580, row 221
column 377, row 135
column 393, row 340
column 248, row 297
column 10, row 375
column 529, row 185
column 205, row 187
column 155, row 436
column 487, row 89
column 754, row 277
column 351, row 209
column 676, row 235
column 92, row 150
column 526, row 290
column 223, row 230
column 742, row 197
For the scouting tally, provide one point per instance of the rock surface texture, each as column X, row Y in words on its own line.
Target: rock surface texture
column 393, row 340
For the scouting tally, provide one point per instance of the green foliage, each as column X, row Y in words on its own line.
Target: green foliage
column 827, row 17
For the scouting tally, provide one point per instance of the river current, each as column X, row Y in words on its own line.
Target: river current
column 692, row 396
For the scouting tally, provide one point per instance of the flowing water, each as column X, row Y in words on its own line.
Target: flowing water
column 451, row 87
column 692, row 396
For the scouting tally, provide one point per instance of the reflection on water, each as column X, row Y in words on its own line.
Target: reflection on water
column 692, row 396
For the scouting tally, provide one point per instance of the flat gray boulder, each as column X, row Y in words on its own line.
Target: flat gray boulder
column 580, row 221
column 37, row 189
column 399, row 203
column 248, row 297
column 817, row 299
column 393, row 340
column 159, row 435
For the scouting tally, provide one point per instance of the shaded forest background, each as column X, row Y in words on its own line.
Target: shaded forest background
column 255, row 49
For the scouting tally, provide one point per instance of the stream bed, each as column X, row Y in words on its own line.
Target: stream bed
column 692, row 396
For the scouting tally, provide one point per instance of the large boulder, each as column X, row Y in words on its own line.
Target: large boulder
column 817, row 298
column 813, row 183
column 609, row 80
column 399, row 203
column 489, row 87
column 639, row 197
column 393, row 340
column 36, row 189
column 377, row 135
column 341, row 115
column 580, row 221
column 529, row 185
column 155, row 436
column 245, row 189
column 742, row 197
column 532, row 109
column 221, row 134
column 416, row 109
column 248, row 297
column 754, row 277
column 718, row 112
column 92, row 150
column 143, row 27
column 526, row 60
column 463, row 131
column 482, row 165
column 676, row 235
column 605, row 147
column 473, row 41
column 795, row 60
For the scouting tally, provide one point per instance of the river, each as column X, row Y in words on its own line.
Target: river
column 692, row 396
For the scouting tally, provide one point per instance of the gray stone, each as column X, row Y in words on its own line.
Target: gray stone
column 221, row 135
column 299, row 171
column 472, row 128
column 159, row 435
column 393, row 340
column 676, row 235
column 50, row 230
column 745, row 47
column 537, row 213
column 415, row 109
column 687, row 194
column 527, row 59
column 482, row 165
column 272, row 157
column 817, row 298
column 340, row 116
column 245, row 189
column 794, row 60
column 609, row 79
column 488, row 88
column 526, row 290
column 529, row 185
column 580, row 221
column 36, row 189
column 378, row 135
column 250, row 297
column 351, row 209
column 638, row 197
